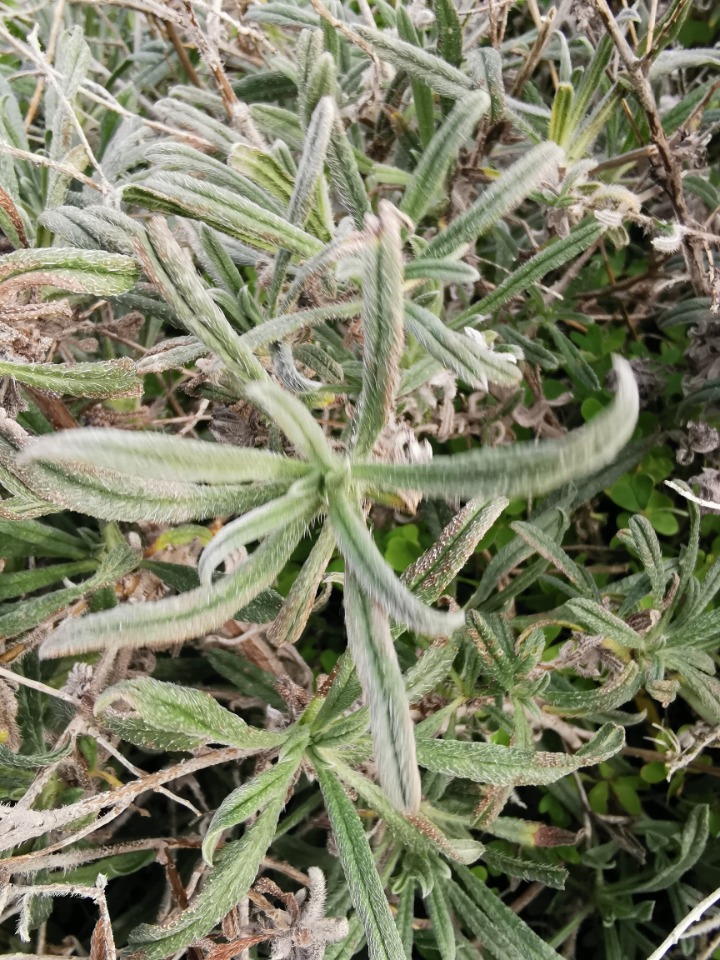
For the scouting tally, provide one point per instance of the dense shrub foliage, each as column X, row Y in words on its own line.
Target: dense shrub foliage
column 359, row 367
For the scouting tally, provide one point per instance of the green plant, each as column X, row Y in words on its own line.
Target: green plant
column 368, row 228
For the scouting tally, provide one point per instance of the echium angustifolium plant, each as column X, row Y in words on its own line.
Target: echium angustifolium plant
column 285, row 249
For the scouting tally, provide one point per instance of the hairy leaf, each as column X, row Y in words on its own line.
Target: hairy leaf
column 523, row 469
column 506, row 766
column 371, row 646
column 184, row 617
column 360, row 871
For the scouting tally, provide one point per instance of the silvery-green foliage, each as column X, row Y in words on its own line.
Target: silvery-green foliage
column 277, row 242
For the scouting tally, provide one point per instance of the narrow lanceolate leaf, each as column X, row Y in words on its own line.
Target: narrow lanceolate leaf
column 312, row 160
column 27, row 581
column 443, row 270
column 376, row 577
column 173, row 273
column 466, row 357
column 271, row 784
column 16, row 618
column 504, row 195
column 648, row 549
column 284, row 325
column 523, row 469
column 449, row 31
column 308, row 175
column 559, row 128
column 28, row 761
column 612, row 694
column 77, row 271
column 555, row 255
column 514, row 766
column 361, row 874
column 158, row 456
column 382, row 319
column 422, row 95
column 188, row 615
column 414, row 831
column 693, row 840
column 504, row 935
column 184, row 196
column 440, row 76
column 548, row 548
column 295, row 421
column 441, row 920
column 109, row 378
column 110, row 495
column 227, row 884
column 169, row 708
column 436, row 569
column 371, row 646
column 346, row 176
column 290, row 622
column 441, row 152
column 595, row 619
column 301, row 502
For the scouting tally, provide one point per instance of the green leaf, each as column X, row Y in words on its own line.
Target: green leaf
column 548, row 874
column 300, row 502
column 288, row 625
column 449, row 33
column 597, row 620
column 245, row 676
column 361, row 874
column 224, row 210
column 613, row 693
column 110, row 378
column 345, row 175
column 415, row 831
column 307, row 180
column 110, row 495
column 693, row 839
column 227, row 884
column 383, row 327
column 422, row 95
column 18, row 617
column 28, row 761
column 503, row 934
column 442, row 925
column 560, row 128
column 465, row 356
column 435, row 570
column 648, row 549
column 443, row 270
column 295, row 420
column 523, row 469
column 370, row 644
column 172, row 271
column 503, row 196
column 555, row 255
column 284, row 325
column 92, row 272
column 249, row 798
column 377, row 579
column 440, row 76
column 158, row 456
column 546, row 547
column 441, row 152
column 30, row 538
column 184, row 617
column 169, row 708
column 344, row 691
column 514, row 766
column 27, row 581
